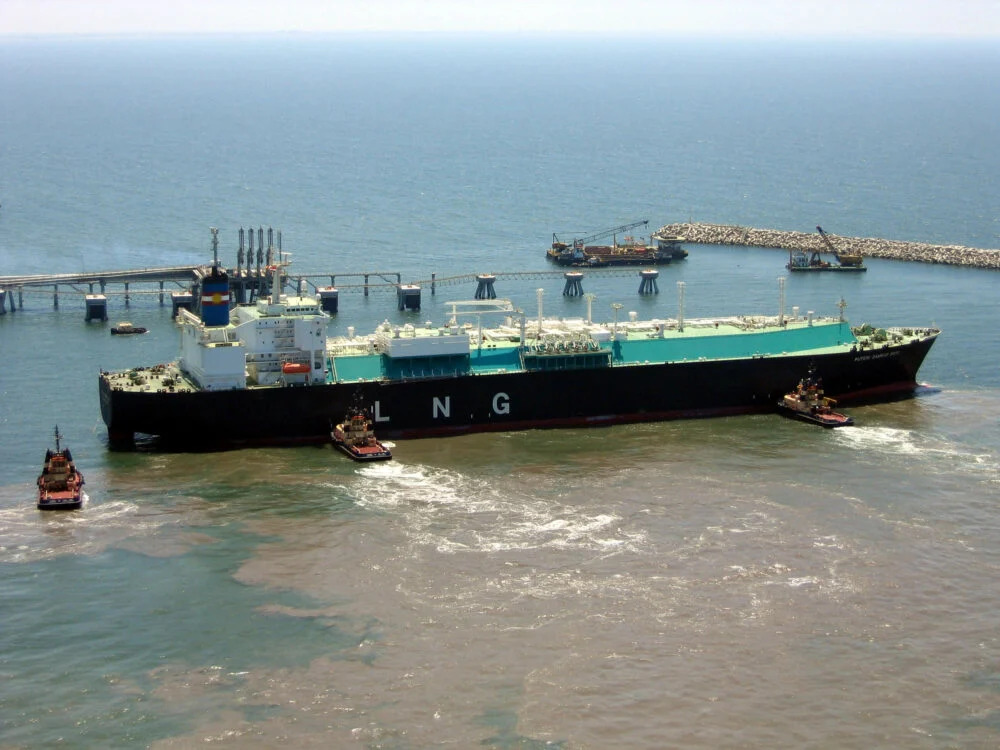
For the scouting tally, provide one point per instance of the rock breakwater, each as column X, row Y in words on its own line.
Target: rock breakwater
column 869, row 247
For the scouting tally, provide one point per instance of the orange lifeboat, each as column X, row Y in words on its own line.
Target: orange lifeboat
column 294, row 368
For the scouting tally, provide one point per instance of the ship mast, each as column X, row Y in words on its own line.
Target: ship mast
column 781, row 300
column 680, row 306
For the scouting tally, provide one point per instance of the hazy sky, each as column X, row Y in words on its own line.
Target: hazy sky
column 973, row 18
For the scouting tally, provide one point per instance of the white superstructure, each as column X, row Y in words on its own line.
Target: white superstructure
column 409, row 341
column 274, row 342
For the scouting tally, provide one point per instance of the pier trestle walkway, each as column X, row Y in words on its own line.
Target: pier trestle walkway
column 245, row 283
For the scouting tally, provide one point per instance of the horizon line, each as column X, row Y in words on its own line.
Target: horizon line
column 881, row 35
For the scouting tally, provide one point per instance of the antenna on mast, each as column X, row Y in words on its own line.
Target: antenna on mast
column 215, row 246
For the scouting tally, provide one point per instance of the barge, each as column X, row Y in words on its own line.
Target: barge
column 631, row 251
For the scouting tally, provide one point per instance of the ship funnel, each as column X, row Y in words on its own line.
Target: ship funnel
column 215, row 290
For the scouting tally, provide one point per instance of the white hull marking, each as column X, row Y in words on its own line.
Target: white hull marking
column 441, row 409
column 501, row 403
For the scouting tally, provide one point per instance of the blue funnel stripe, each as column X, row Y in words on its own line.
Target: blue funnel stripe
column 215, row 301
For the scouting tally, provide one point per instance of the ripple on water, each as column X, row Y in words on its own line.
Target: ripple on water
column 451, row 511
column 28, row 534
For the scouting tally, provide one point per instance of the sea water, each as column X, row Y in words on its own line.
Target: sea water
column 746, row 581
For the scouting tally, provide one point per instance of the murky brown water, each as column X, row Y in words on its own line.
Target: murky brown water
column 749, row 582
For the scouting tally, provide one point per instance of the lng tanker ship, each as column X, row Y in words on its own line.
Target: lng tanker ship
column 267, row 373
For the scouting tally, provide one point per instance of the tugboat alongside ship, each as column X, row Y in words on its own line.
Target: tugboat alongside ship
column 808, row 403
column 356, row 438
column 267, row 374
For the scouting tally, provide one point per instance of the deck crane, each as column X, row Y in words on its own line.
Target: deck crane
column 558, row 246
column 853, row 259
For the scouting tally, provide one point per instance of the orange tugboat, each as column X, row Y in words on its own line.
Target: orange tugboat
column 60, row 485
column 355, row 437
column 808, row 403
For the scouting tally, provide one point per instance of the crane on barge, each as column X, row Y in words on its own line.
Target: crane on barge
column 852, row 259
column 798, row 260
column 559, row 247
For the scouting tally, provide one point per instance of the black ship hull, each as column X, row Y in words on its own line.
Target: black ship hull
column 505, row 401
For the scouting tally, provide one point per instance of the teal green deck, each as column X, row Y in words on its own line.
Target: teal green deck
column 695, row 343
column 729, row 342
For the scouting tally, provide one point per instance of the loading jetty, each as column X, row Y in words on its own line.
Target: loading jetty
column 246, row 282
column 808, row 242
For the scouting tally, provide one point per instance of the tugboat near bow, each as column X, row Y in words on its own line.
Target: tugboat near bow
column 808, row 403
